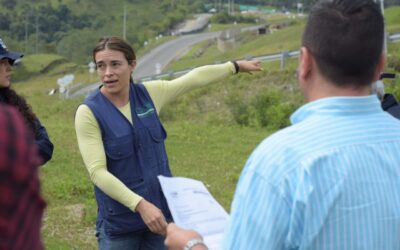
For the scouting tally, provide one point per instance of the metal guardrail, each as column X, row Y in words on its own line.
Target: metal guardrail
column 394, row 38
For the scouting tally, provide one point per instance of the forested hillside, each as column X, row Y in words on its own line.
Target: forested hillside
column 70, row 27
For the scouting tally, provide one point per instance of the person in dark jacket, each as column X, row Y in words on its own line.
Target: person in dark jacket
column 389, row 102
column 391, row 105
column 9, row 96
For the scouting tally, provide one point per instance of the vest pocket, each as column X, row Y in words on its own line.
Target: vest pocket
column 119, row 148
column 119, row 218
column 152, row 148
column 114, row 207
column 158, row 134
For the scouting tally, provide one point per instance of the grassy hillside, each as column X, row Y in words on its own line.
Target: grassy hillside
column 211, row 131
column 392, row 18
column 247, row 44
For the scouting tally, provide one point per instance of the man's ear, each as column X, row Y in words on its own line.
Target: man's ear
column 379, row 68
column 305, row 63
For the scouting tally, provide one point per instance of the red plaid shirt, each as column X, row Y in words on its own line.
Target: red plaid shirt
column 21, row 204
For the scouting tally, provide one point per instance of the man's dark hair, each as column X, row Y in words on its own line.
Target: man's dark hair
column 346, row 39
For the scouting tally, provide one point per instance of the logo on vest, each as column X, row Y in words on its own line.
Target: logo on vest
column 145, row 111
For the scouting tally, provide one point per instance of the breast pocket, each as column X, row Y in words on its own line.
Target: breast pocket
column 152, row 148
column 119, row 147
column 119, row 151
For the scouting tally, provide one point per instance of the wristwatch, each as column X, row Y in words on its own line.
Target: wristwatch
column 193, row 242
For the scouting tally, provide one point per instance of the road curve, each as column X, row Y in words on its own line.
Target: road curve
column 166, row 52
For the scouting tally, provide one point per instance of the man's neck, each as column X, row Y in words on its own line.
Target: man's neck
column 324, row 89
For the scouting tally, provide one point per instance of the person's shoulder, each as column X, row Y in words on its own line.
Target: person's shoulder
column 4, row 109
column 394, row 111
column 82, row 107
column 8, row 115
column 282, row 139
column 13, row 133
column 275, row 152
column 83, row 111
column 152, row 83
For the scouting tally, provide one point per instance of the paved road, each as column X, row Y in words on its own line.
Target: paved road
column 165, row 53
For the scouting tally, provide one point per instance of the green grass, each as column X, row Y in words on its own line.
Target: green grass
column 392, row 19
column 213, row 154
column 39, row 62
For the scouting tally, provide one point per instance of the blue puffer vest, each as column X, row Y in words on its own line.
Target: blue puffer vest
column 135, row 155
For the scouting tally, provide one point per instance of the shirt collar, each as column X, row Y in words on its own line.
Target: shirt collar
column 340, row 106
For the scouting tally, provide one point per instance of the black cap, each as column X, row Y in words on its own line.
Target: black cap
column 4, row 53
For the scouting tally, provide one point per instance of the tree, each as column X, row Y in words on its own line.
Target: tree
column 8, row 4
column 4, row 21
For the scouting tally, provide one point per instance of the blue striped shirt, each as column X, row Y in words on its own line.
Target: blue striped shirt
column 329, row 181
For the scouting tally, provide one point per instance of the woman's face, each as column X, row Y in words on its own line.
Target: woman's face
column 114, row 71
column 5, row 73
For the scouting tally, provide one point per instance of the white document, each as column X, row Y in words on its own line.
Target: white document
column 193, row 207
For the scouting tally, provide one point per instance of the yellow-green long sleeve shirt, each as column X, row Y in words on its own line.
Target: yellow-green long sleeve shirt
column 161, row 92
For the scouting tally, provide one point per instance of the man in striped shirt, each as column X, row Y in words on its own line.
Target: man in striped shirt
column 332, row 179
column 21, row 204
